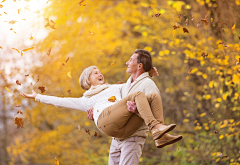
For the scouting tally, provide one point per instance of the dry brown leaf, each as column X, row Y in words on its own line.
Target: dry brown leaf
column 18, row 83
column 49, row 51
column 69, row 91
column 87, row 130
column 185, row 30
column 42, row 89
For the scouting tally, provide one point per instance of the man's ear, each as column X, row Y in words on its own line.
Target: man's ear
column 140, row 66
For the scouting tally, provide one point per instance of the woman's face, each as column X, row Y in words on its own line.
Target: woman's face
column 96, row 78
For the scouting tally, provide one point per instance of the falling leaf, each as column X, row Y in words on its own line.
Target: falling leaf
column 18, row 83
column 69, row 91
column 185, row 30
column 90, row 32
column 233, row 26
column 16, row 50
column 3, row 1
column 113, row 62
column 0, row 47
column 192, row 18
column 87, row 130
column 56, row 161
column 186, row 21
column 11, row 29
column 24, row 19
column 222, row 23
column 21, row 53
column 46, row 19
column 18, row 105
column 1, row 6
column 8, row 89
column 31, row 37
column 176, row 25
column 52, row 22
column 112, row 99
column 37, row 12
column 67, row 60
column 24, row 50
column 79, row 127
column 19, row 122
column 49, row 51
column 69, row 74
column 63, row 64
column 26, row 75
column 157, row 15
column 42, row 89
column 95, row 134
column 19, row 11
column 204, row 55
column 4, row 12
column 15, row 32
column 37, row 78
column 211, row 19
column 179, row 16
column 189, row 72
column 81, row 1
column 88, row 137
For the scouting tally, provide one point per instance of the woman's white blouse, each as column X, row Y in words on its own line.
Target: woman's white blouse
column 99, row 101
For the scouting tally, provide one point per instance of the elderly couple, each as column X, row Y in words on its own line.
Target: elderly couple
column 138, row 108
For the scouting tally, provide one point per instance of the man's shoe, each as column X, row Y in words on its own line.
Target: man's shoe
column 159, row 132
column 166, row 140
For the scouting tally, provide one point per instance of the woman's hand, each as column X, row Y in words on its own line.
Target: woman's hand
column 153, row 72
column 30, row 96
column 132, row 107
column 90, row 114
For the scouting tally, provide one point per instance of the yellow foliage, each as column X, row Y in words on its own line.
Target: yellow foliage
column 186, row 120
column 202, row 114
column 221, row 136
column 207, row 97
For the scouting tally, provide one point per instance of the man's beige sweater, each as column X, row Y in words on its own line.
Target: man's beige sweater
column 145, row 84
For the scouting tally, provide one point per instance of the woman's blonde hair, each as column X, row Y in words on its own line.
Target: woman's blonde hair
column 84, row 78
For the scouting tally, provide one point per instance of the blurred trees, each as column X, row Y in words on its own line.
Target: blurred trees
column 199, row 78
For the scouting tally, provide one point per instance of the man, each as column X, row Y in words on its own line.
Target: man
column 128, row 151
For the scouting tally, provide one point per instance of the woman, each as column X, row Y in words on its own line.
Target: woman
column 111, row 116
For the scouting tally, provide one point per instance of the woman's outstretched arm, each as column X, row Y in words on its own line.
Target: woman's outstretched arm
column 81, row 104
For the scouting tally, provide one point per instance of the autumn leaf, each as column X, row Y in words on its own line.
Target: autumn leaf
column 179, row 16
column 42, row 89
column 11, row 29
column 4, row 12
column 8, row 89
column 1, row 5
column 0, row 47
column 24, row 50
column 31, row 37
column 113, row 62
column 186, row 21
column 17, row 105
column 112, row 99
column 63, row 64
column 19, row 11
column 18, row 83
column 90, row 32
column 69, row 91
column 26, row 75
column 185, row 30
column 67, row 60
column 204, row 55
column 87, row 131
column 49, row 51
column 56, row 161
column 21, row 53
column 157, row 15
column 69, row 74
column 176, row 25
column 81, row 1
column 189, row 72
column 12, row 22
column 19, row 122
column 95, row 134
column 16, row 50
column 233, row 26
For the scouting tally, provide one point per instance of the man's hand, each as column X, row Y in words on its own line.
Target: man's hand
column 132, row 107
column 90, row 114
column 153, row 72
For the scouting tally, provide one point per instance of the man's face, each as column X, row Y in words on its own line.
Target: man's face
column 132, row 64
